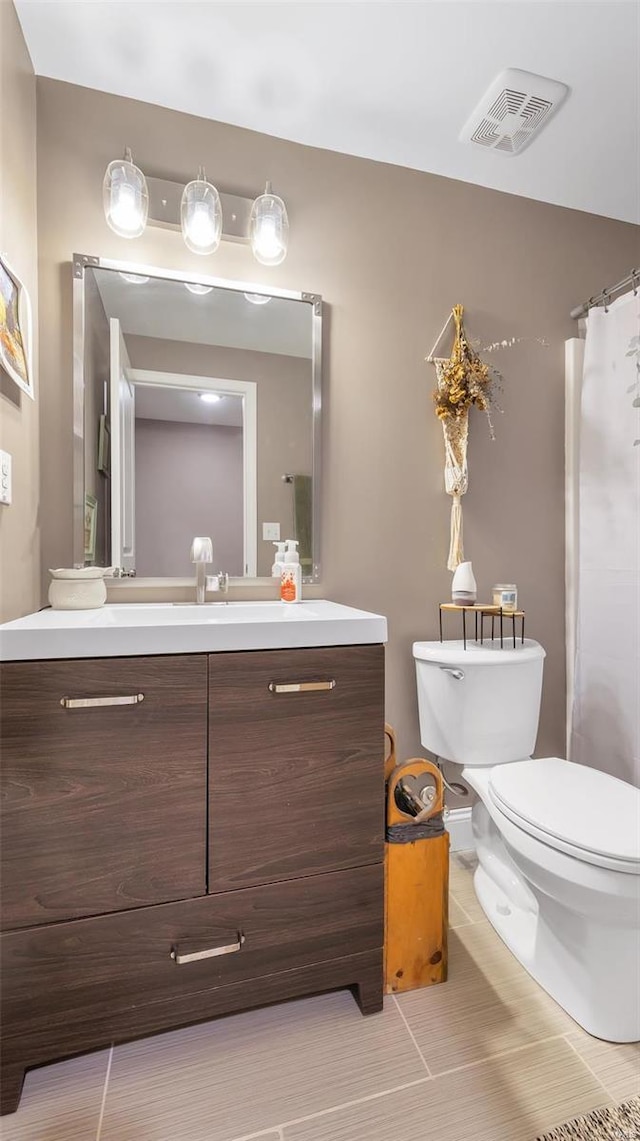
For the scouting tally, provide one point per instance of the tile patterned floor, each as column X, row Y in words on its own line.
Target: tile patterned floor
column 486, row 1057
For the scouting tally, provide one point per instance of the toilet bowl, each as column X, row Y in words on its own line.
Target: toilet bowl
column 558, row 844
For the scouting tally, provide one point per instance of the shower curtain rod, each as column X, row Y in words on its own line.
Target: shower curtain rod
column 632, row 278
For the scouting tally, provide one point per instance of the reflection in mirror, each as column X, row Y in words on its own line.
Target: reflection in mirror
column 201, row 417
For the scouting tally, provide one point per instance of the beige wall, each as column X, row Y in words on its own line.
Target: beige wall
column 19, row 524
column 390, row 250
column 284, row 416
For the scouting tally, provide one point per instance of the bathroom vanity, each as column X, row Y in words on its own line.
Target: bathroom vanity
column 185, row 833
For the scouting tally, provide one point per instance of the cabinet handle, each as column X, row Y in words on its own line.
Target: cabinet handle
column 92, row 702
column 301, row 686
column 181, row 957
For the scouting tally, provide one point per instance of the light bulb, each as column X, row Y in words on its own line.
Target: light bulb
column 209, row 397
column 269, row 228
column 125, row 197
column 196, row 287
column 257, row 298
column 201, row 216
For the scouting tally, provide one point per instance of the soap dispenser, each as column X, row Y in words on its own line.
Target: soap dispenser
column 291, row 578
column 278, row 563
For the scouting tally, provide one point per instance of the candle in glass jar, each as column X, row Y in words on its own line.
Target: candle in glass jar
column 505, row 594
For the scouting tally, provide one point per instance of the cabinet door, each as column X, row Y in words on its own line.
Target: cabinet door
column 296, row 780
column 103, row 803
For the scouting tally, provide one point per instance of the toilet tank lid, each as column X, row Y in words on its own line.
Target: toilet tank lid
column 584, row 807
column 451, row 653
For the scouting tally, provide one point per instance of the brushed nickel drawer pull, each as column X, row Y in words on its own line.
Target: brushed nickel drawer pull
column 93, row 702
column 181, row 957
column 301, row 686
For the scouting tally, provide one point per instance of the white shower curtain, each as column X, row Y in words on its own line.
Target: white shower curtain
column 605, row 731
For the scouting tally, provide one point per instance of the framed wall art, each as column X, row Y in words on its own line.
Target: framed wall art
column 16, row 330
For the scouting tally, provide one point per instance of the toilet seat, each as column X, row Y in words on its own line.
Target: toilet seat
column 586, row 813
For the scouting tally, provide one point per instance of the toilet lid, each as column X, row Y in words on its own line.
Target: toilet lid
column 581, row 809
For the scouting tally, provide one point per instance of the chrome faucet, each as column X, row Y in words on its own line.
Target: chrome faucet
column 201, row 555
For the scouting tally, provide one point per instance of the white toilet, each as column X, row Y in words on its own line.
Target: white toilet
column 558, row 844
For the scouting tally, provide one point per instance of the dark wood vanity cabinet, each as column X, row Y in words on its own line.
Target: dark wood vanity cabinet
column 183, row 837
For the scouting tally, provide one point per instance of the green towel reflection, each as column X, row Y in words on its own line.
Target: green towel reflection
column 302, row 520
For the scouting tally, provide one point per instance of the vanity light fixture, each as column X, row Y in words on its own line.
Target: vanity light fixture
column 269, row 228
column 201, row 215
column 209, row 397
column 257, row 298
column 125, row 197
column 196, row 287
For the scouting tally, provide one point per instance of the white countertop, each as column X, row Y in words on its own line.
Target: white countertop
column 138, row 629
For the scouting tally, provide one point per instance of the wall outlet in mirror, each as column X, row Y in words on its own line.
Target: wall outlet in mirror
column 271, row 531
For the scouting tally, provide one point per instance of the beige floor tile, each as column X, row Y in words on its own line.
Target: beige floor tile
column 617, row 1066
column 461, row 869
column 488, row 1005
column 457, row 916
column 250, row 1072
column 512, row 1098
column 60, row 1102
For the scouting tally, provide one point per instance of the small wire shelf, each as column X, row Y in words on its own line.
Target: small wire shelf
column 482, row 610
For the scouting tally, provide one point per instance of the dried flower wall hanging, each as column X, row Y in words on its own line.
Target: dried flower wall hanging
column 463, row 380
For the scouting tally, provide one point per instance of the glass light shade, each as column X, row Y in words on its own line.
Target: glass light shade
column 125, row 197
column 258, row 298
column 197, row 288
column 201, row 216
column 269, row 228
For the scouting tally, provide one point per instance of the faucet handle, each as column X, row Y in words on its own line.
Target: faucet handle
column 202, row 550
column 218, row 582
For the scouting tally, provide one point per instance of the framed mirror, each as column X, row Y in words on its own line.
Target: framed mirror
column 197, row 410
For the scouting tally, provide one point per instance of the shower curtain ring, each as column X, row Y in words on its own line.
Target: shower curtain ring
column 635, row 278
column 606, row 296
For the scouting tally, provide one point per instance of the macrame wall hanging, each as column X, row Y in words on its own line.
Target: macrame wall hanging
column 462, row 380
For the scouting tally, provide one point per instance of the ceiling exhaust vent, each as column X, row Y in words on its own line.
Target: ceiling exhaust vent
column 513, row 111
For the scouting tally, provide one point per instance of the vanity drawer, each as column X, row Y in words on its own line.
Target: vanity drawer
column 91, row 976
column 103, row 777
column 296, row 741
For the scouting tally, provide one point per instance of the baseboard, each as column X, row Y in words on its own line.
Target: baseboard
column 458, row 825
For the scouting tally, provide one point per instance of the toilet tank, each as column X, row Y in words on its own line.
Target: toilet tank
column 479, row 705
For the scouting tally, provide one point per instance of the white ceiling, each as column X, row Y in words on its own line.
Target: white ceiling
column 180, row 405
column 393, row 81
column 167, row 310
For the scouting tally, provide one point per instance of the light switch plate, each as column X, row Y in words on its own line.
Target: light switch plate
column 271, row 531
column 5, row 477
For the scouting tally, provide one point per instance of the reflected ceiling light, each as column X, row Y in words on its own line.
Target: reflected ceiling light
column 201, row 215
column 257, row 298
column 269, row 228
column 209, row 397
column 195, row 287
column 134, row 278
column 125, row 197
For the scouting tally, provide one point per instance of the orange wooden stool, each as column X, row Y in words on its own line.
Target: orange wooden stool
column 416, row 876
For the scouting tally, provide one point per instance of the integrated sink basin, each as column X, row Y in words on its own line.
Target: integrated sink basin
column 181, row 628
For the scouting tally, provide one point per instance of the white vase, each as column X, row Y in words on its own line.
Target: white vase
column 464, row 590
